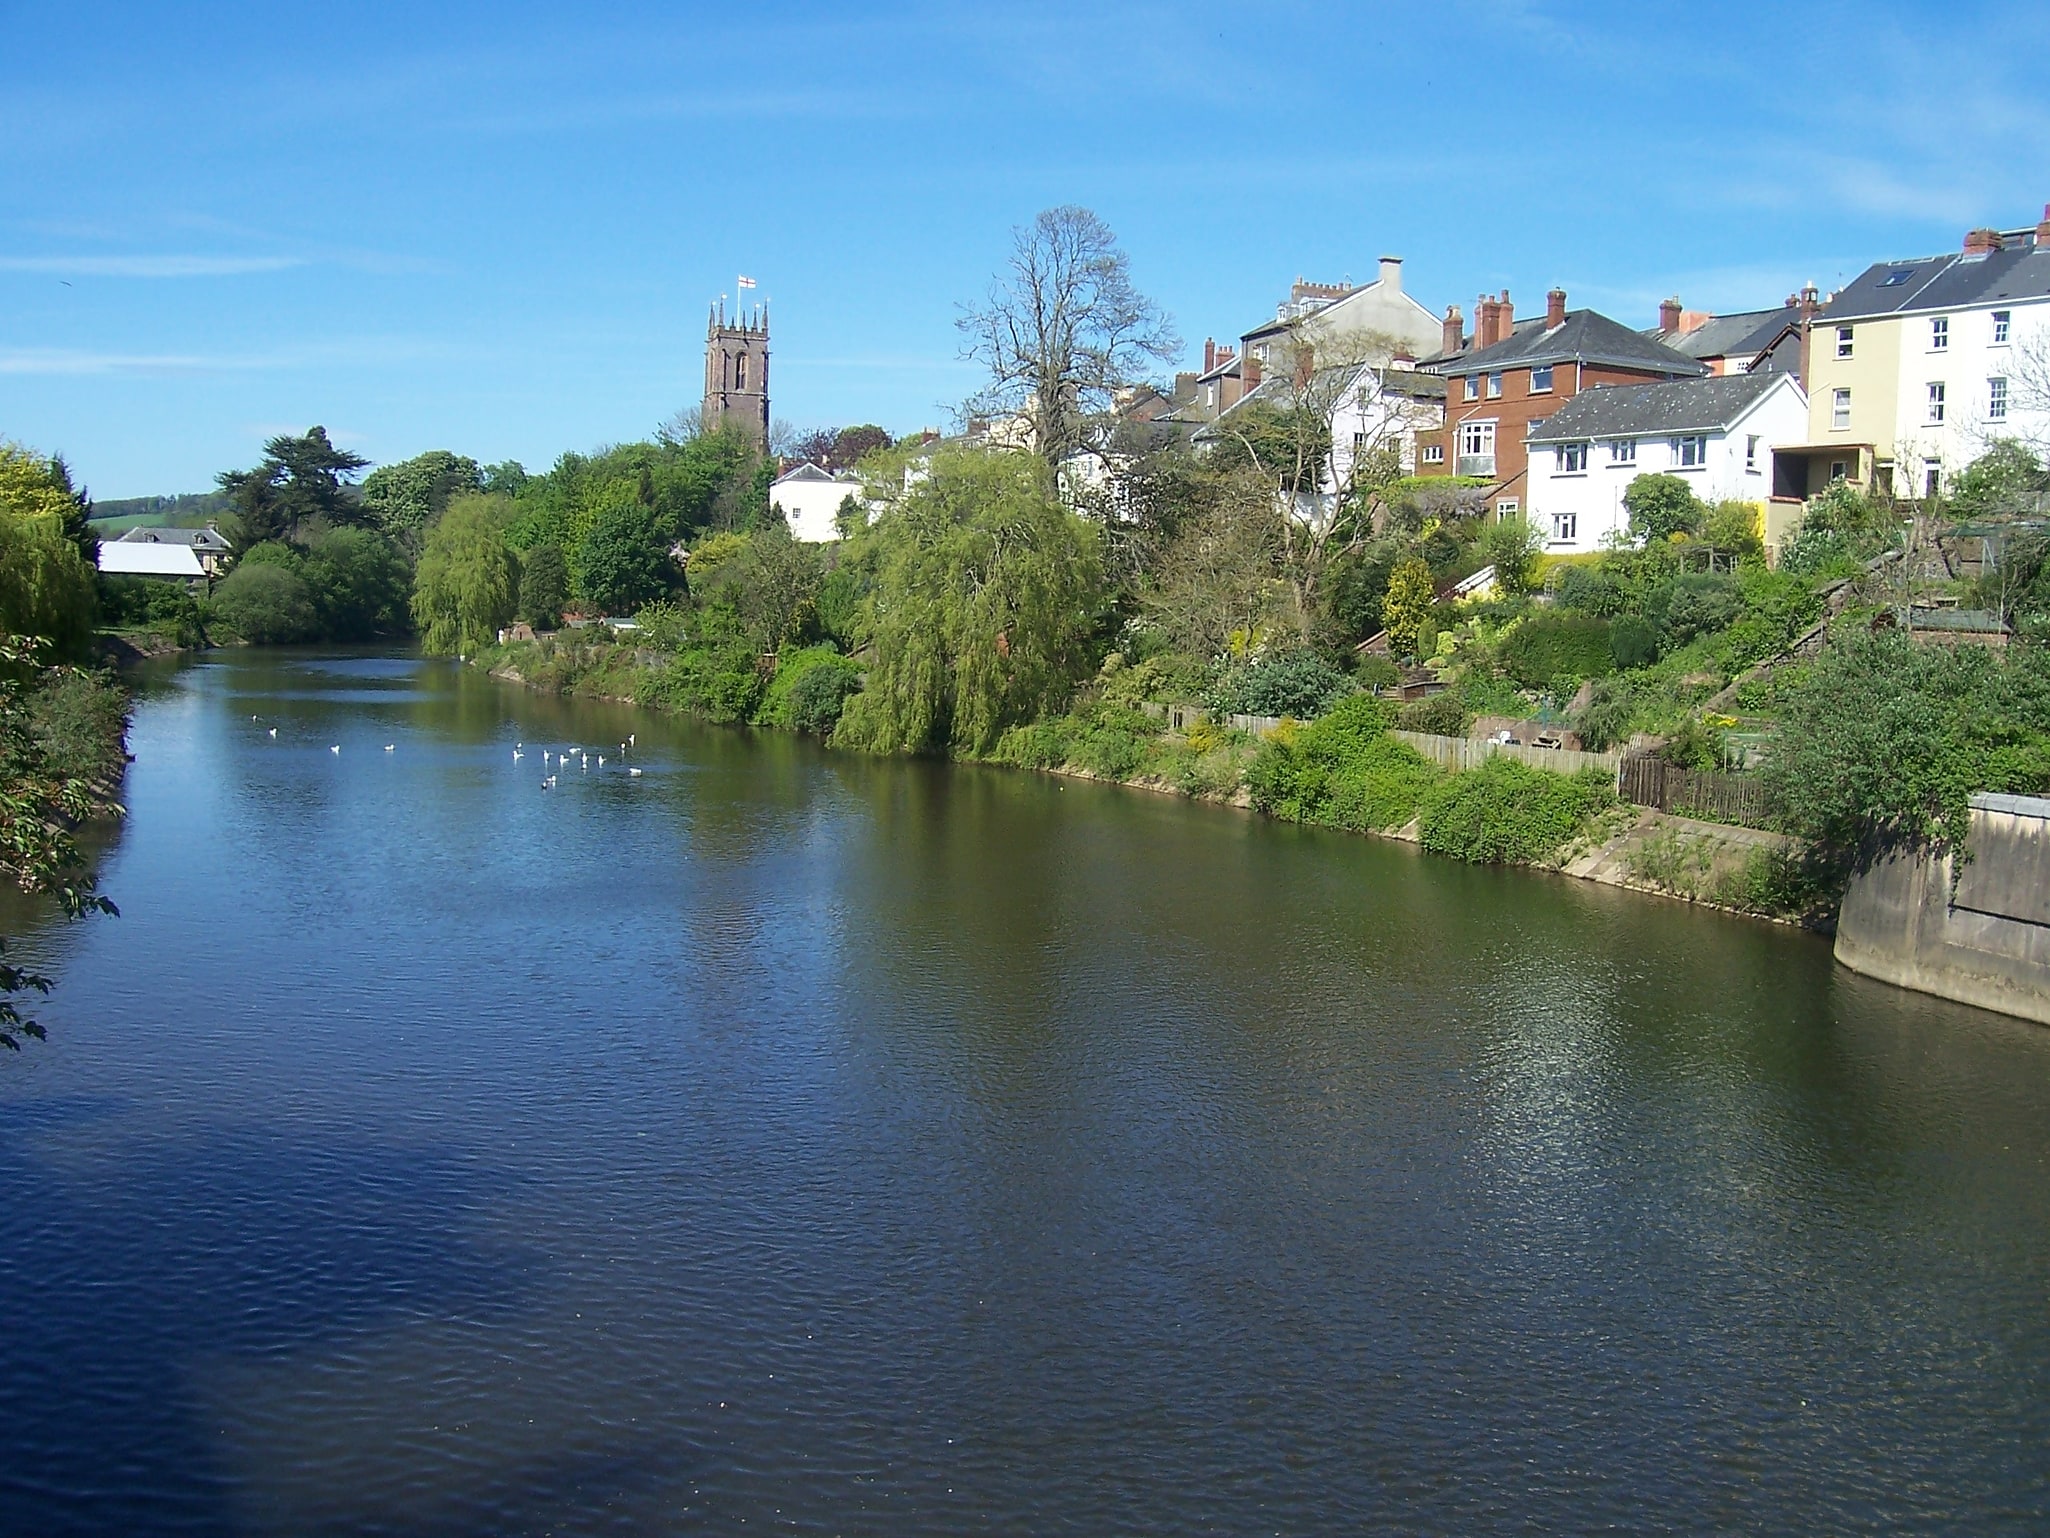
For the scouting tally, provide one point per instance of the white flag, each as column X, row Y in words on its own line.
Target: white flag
column 747, row 282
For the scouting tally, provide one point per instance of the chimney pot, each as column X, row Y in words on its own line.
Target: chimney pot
column 1669, row 314
column 1209, row 353
column 1555, row 309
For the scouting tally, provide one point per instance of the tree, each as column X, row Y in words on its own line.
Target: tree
column 851, row 445
column 986, row 594
column 1512, row 545
column 544, row 586
column 267, row 603
column 300, row 480
column 360, row 585
column 2007, row 479
column 466, row 585
column 1406, row 610
column 1063, row 330
column 46, row 587
column 40, row 802
column 624, row 561
column 773, row 585
column 404, row 498
column 1661, row 506
column 1217, row 588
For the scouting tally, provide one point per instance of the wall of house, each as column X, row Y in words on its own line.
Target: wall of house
column 810, row 507
column 1964, row 369
column 1517, row 410
column 1381, row 419
column 1979, row 934
column 1376, row 308
column 1872, row 375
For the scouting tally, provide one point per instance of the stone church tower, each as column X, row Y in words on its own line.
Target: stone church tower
column 737, row 372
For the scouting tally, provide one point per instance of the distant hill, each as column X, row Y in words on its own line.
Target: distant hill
column 190, row 511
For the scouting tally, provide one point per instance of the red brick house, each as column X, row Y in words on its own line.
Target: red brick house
column 1512, row 374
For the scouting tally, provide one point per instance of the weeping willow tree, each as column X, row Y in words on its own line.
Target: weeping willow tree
column 986, row 595
column 468, row 582
column 47, row 587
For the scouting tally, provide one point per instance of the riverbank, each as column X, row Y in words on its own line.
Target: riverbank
column 1591, row 836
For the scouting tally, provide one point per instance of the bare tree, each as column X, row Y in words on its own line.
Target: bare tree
column 682, row 426
column 2029, row 391
column 1063, row 329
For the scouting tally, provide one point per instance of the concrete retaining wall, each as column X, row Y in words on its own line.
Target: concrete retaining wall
column 1988, row 941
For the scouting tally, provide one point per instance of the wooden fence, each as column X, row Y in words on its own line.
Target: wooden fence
column 1648, row 780
column 1472, row 752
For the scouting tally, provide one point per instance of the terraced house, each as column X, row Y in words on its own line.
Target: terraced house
column 1511, row 375
column 1919, row 364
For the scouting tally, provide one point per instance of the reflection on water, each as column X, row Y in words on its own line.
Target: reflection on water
column 889, row 1148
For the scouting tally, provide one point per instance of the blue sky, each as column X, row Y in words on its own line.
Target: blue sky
column 496, row 228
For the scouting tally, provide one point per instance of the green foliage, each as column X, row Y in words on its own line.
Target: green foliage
column 1883, row 742
column 839, row 606
column 1605, row 720
column 301, row 482
column 986, row 594
column 1698, row 605
column 623, row 561
column 1297, row 683
column 1547, row 647
column 772, row 584
column 720, row 684
column 359, row 585
column 2008, row 478
column 1372, row 672
column 1406, row 608
column 1343, row 771
column 466, row 587
column 1507, row 812
column 1512, row 546
column 267, row 603
column 403, row 498
column 1661, row 506
column 1633, row 642
column 810, row 685
column 136, row 603
column 1290, row 447
column 544, row 586
column 47, row 586
column 1354, row 586
column 1441, row 715
column 1734, row 526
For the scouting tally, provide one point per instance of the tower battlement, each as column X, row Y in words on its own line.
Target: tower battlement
column 737, row 370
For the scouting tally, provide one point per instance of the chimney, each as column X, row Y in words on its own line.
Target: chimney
column 1811, row 301
column 1209, row 353
column 1249, row 373
column 1391, row 274
column 1305, row 365
column 1669, row 315
column 2043, row 229
column 1454, row 332
column 1505, row 317
column 1403, row 357
column 1555, row 309
column 1483, row 322
column 1979, row 242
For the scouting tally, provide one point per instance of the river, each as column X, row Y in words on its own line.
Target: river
column 782, row 1140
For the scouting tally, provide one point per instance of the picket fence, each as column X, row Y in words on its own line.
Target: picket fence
column 1472, row 752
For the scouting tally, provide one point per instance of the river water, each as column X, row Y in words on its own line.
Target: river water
column 780, row 1140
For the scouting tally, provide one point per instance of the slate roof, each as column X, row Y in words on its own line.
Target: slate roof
column 196, row 539
column 1723, row 336
column 1585, row 336
column 808, row 471
column 1952, row 281
column 1677, row 406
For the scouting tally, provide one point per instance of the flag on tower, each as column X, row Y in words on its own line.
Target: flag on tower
column 747, row 282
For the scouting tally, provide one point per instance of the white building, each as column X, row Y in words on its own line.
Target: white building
column 125, row 558
column 1344, row 323
column 810, row 500
column 1717, row 433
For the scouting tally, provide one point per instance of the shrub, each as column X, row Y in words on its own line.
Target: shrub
column 1443, row 715
column 1552, row 646
column 717, row 685
column 1661, row 506
column 1633, row 643
column 266, row 604
column 1300, row 684
column 1343, row 771
column 1701, row 605
column 809, row 689
column 1372, row 672
column 544, row 586
column 1605, row 720
column 1507, row 812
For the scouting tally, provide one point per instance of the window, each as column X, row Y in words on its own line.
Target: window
column 1541, row 380
column 1936, row 401
column 1894, row 279
column 1996, row 400
column 1932, row 478
column 1359, row 444
column 1494, row 387
column 1843, row 341
column 1572, row 458
column 1836, row 469
column 1476, row 448
column 1839, row 410
column 2000, row 328
column 1506, row 508
column 740, row 372
column 1623, row 451
column 1473, row 387
column 1939, row 333
column 1751, row 454
column 1691, row 453
column 1565, row 528
column 1434, row 453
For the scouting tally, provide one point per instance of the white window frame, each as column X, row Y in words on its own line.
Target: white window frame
column 1434, row 453
column 1840, row 410
column 1507, row 507
column 1565, row 528
column 2000, row 325
column 1996, row 398
column 1691, row 452
column 1473, row 387
column 1932, row 479
column 1751, row 453
column 1939, row 333
column 1936, row 402
column 1546, row 387
column 1838, row 471
column 1622, row 451
column 1843, row 341
column 1495, row 385
column 1571, row 458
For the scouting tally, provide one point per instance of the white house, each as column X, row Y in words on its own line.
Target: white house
column 1338, row 319
column 1718, row 433
column 810, row 499
column 126, row 558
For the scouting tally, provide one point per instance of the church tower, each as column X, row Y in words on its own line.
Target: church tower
column 737, row 372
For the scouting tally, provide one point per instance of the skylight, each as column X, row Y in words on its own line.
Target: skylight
column 1897, row 277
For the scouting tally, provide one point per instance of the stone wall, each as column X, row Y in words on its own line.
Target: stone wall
column 1984, row 939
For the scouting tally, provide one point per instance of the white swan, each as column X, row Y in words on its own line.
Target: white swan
column 336, row 748
column 635, row 773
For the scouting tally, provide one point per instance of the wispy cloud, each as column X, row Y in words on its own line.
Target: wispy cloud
column 157, row 266
column 368, row 352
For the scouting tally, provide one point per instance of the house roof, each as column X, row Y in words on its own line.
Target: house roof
column 811, row 472
column 123, row 558
column 1676, row 406
column 1953, row 281
column 197, row 539
column 1585, row 336
column 1723, row 336
column 1394, row 381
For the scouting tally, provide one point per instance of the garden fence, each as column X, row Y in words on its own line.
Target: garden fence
column 1648, row 780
